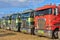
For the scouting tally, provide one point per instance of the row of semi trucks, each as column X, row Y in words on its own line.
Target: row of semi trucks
column 43, row 21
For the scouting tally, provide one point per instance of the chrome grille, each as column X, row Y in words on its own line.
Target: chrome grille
column 41, row 23
column 23, row 23
column 13, row 22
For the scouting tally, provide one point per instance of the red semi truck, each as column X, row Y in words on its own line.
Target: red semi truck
column 47, row 20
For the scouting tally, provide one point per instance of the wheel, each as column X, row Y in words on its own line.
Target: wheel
column 55, row 34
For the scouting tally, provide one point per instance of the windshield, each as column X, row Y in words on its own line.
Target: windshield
column 58, row 9
column 57, row 24
column 15, row 16
column 7, row 18
column 43, row 12
column 25, row 15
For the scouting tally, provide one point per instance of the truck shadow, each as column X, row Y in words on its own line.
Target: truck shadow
column 7, row 34
column 49, row 38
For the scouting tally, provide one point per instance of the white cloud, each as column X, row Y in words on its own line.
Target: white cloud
column 13, row 0
column 1, row 13
column 21, row 2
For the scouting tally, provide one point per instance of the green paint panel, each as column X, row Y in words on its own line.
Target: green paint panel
column 16, row 20
column 8, row 21
column 24, row 31
column 40, row 31
column 30, row 19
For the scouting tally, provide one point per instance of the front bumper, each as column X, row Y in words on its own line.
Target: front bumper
column 25, row 30
column 43, row 32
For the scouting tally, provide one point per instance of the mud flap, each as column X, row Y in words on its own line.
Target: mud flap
column 32, row 31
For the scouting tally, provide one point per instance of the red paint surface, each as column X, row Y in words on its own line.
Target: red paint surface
column 50, row 19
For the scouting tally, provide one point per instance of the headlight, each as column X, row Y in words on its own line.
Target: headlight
column 48, row 28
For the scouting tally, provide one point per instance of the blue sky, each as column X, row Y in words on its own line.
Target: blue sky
column 14, row 6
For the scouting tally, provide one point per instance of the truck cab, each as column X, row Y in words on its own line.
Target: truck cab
column 27, row 21
column 44, row 21
column 14, row 21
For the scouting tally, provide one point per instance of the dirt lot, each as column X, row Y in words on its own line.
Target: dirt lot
column 10, row 35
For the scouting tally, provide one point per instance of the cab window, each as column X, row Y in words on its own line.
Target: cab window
column 43, row 12
column 55, row 11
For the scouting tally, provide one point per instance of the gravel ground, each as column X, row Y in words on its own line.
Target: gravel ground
column 10, row 35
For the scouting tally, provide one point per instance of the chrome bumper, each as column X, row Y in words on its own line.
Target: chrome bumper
column 47, row 33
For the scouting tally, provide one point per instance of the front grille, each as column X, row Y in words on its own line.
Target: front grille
column 13, row 23
column 24, row 24
column 41, row 23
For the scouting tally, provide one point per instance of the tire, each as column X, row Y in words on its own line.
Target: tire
column 56, row 34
